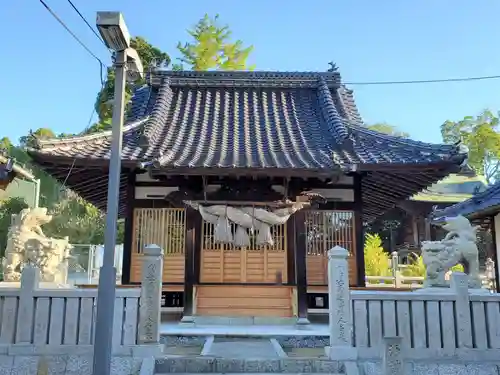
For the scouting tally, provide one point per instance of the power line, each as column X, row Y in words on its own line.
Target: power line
column 72, row 33
column 444, row 80
column 86, row 22
column 409, row 82
column 367, row 83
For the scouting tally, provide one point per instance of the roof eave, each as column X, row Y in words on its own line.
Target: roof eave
column 46, row 145
column 18, row 170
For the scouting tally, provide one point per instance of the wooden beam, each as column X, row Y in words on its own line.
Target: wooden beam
column 300, row 263
column 129, row 231
column 189, row 253
column 359, row 235
column 151, row 203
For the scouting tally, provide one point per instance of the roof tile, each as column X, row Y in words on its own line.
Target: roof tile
column 252, row 120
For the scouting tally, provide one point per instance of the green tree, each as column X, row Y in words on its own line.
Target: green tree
column 212, row 48
column 385, row 128
column 41, row 133
column 80, row 221
column 480, row 134
column 5, row 144
column 376, row 259
column 151, row 56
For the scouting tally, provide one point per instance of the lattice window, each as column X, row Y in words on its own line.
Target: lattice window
column 326, row 229
column 164, row 227
column 278, row 233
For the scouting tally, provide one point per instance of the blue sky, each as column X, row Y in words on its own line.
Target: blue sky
column 50, row 81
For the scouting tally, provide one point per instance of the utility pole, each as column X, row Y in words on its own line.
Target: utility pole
column 114, row 32
column 103, row 345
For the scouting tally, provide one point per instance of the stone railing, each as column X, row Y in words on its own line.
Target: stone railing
column 40, row 324
column 450, row 323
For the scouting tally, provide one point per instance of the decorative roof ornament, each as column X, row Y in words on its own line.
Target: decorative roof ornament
column 333, row 67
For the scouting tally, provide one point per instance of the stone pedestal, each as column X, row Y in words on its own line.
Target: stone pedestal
column 150, row 303
column 338, row 296
column 392, row 356
column 339, row 308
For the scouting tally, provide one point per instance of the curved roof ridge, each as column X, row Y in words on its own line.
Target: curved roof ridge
column 245, row 78
column 158, row 115
column 348, row 103
column 477, row 203
column 330, row 113
column 58, row 142
column 397, row 139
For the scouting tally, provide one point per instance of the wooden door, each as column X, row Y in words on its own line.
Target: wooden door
column 164, row 227
column 326, row 229
column 223, row 263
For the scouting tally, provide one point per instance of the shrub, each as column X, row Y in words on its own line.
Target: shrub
column 376, row 259
column 417, row 268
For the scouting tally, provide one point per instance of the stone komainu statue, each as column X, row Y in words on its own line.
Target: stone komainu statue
column 27, row 244
column 458, row 245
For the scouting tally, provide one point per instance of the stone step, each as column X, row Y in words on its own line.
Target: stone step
column 242, row 348
column 212, row 365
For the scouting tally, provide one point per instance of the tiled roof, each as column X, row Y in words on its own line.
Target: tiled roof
column 250, row 120
column 481, row 204
column 452, row 189
column 288, row 123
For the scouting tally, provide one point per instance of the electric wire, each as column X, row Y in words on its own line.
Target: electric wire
column 354, row 83
column 409, row 82
column 87, row 23
column 71, row 32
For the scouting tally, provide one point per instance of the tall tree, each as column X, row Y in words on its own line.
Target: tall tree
column 481, row 135
column 212, row 48
column 41, row 133
column 82, row 222
column 5, row 144
column 383, row 127
column 151, row 56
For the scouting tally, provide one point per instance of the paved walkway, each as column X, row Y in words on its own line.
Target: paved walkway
column 245, row 348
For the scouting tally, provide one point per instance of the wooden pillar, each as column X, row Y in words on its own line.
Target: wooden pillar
column 494, row 222
column 359, row 252
column 129, row 230
column 193, row 221
column 300, row 265
column 290, row 251
column 414, row 226
column 427, row 223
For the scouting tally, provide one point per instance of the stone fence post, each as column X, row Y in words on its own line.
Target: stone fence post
column 150, row 302
column 460, row 287
column 392, row 356
column 30, row 280
column 339, row 306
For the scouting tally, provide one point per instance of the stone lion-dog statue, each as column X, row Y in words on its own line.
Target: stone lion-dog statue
column 27, row 244
column 458, row 245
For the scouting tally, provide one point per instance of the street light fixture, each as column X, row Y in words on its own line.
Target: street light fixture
column 112, row 28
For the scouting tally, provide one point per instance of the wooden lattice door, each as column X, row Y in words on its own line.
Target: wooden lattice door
column 324, row 230
column 223, row 263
